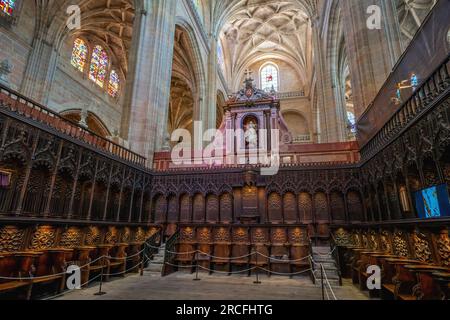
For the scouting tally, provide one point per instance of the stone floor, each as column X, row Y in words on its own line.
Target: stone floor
column 180, row 286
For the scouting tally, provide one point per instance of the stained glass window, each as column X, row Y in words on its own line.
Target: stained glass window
column 79, row 54
column 99, row 66
column 352, row 121
column 8, row 6
column 269, row 78
column 220, row 57
column 114, row 83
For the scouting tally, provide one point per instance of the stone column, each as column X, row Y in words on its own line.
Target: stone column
column 150, row 98
column 211, row 93
column 40, row 68
column 371, row 53
column 327, row 126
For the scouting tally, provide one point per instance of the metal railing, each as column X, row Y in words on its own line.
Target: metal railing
column 335, row 254
column 170, row 256
column 17, row 103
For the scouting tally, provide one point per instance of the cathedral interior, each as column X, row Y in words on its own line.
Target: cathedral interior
column 330, row 122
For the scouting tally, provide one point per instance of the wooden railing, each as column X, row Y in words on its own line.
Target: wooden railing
column 431, row 92
column 428, row 50
column 24, row 106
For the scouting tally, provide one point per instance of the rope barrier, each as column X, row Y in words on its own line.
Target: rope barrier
column 126, row 271
column 51, row 275
column 66, row 292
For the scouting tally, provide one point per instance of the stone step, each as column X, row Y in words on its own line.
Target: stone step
column 328, row 265
column 331, row 274
column 157, row 261
column 321, row 249
column 154, row 268
column 333, row 282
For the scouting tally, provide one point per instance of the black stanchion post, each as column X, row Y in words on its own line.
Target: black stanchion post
column 257, row 270
column 196, row 269
column 100, row 292
column 142, row 260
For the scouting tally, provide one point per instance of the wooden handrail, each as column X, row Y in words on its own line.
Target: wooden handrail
column 26, row 107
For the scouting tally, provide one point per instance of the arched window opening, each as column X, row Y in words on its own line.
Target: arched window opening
column 269, row 78
column 99, row 66
column 349, row 104
column 79, row 54
column 220, row 57
column 114, row 84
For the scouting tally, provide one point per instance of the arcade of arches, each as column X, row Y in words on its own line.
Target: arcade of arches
column 90, row 120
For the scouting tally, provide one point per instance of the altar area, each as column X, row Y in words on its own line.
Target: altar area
column 254, row 132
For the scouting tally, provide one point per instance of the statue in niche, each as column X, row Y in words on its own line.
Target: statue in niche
column 251, row 135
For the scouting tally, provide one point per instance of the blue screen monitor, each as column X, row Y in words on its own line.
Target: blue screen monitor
column 433, row 202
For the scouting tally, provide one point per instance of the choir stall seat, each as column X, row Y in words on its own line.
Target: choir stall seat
column 426, row 288
column 118, row 259
column 186, row 253
column 240, row 255
column 403, row 281
column 204, row 244
column 262, row 257
column 50, row 271
column 132, row 252
column 81, row 258
column 299, row 254
column 17, row 265
column 221, row 257
column 279, row 258
column 102, row 265
column 240, row 249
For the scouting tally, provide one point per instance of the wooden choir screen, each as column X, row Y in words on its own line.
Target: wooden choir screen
column 226, row 208
column 337, row 206
column 275, row 208
column 185, row 208
column 212, row 209
column 305, row 207
column 290, row 208
column 199, row 208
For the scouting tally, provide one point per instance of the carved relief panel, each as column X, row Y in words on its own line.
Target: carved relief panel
column 11, row 238
column 93, row 236
column 187, row 234
column 240, row 235
column 221, row 235
column 278, row 235
column 204, row 235
column 71, row 238
column 443, row 248
column 422, row 249
column 400, row 244
column 385, row 241
column 260, row 235
column 112, row 236
column 298, row 236
column 43, row 238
